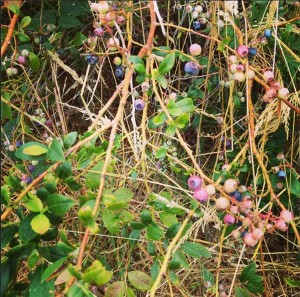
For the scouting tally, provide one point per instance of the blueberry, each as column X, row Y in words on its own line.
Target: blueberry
column 244, row 233
column 237, row 196
column 19, row 143
column 119, row 72
column 28, row 180
column 281, row 174
column 191, row 68
column 139, row 104
column 31, row 168
column 267, row 33
column 196, row 25
column 92, row 60
column 252, row 51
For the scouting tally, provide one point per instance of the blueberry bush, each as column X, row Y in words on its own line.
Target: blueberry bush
column 150, row 148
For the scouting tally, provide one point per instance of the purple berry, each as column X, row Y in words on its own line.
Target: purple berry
column 31, row 168
column 191, row 68
column 237, row 196
column 139, row 104
column 194, row 182
column 201, row 195
column 48, row 123
column 19, row 143
column 21, row 60
column 99, row 32
column 229, row 219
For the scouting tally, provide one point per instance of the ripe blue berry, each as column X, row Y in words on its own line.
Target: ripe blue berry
column 196, row 25
column 139, row 104
column 191, row 68
column 252, row 51
column 194, row 182
column 267, row 33
column 31, row 168
column 92, row 60
column 237, row 196
column 119, row 72
column 19, row 143
column 281, row 174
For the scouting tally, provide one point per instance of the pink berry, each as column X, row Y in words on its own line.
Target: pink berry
column 268, row 76
column 242, row 51
column 222, row 203
column 247, row 203
column 102, row 7
column 233, row 59
column 234, row 209
column 232, row 68
column 275, row 85
column 281, row 225
column 240, row 67
column 230, row 185
column 283, row 93
column 240, row 76
column 257, row 233
column 236, row 234
column 189, row 8
column 229, row 219
column 249, row 240
column 194, row 182
column 210, row 189
column 270, row 93
column 286, row 215
column 21, row 60
column 120, row 20
column 110, row 16
column 94, row 6
column 113, row 43
column 201, row 195
column 250, row 74
column 99, row 32
column 246, row 222
column 195, row 49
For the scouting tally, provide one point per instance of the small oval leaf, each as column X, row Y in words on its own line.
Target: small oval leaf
column 40, row 224
column 140, row 280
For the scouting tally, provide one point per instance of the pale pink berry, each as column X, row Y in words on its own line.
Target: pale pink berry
column 281, row 225
column 102, row 7
column 113, row 43
column 189, row 8
column 229, row 219
column 236, row 234
column 201, row 195
column 99, row 32
column 249, row 240
column 267, row 99
column 222, row 203
column 286, row 215
column 269, row 227
column 268, row 76
column 270, row 93
column 246, row 222
column 173, row 96
column 145, row 86
column 279, row 185
column 275, row 85
column 111, row 16
column 264, row 41
column 240, row 67
column 94, row 6
column 232, row 68
column 210, row 189
column 195, row 14
column 242, row 189
column 21, row 60
column 223, row 294
column 195, row 49
column 233, row 59
column 257, row 233
column 250, row 74
column 195, row 182
column 234, row 209
column 283, row 93
column 247, row 203
column 242, row 51
column 240, row 76
column 198, row 8
column 230, row 185
column 120, row 20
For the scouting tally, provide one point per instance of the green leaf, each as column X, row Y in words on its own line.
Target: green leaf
column 292, row 283
column 154, row 232
column 140, row 280
column 80, row 289
column 25, row 22
column 85, row 215
column 207, row 275
column 224, row 42
column 195, row 250
column 23, row 37
column 33, row 203
column 68, row 21
column 14, row 6
column 7, row 234
column 118, row 199
column 64, row 170
column 179, row 256
column 252, row 281
column 34, row 62
column 137, row 226
column 25, row 230
column 162, row 81
column 155, row 269
column 140, row 68
column 52, row 268
column 40, row 224
column 181, row 121
column 34, row 151
column 130, row 293
column 158, row 120
column 161, row 153
column 171, row 130
column 58, row 205
column 167, row 63
column 172, row 231
column 168, row 219
column 37, row 287
column 111, row 222
column 146, row 217
column 55, row 152
column 240, row 292
column 248, row 271
column 97, row 274
column 180, row 107
column 70, row 139
column 116, row 289
column 77, row 41
column 93, row 177
column 5, row 194
column 295, row 185
column 136, row 60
